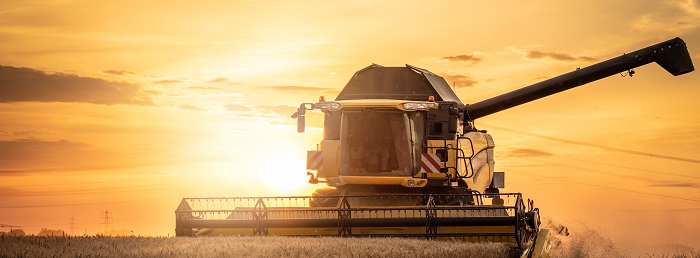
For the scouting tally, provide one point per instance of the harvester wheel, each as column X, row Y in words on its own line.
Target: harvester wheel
column 184, row 232
column 493, row 193
column 321, row 198
column 450, row 196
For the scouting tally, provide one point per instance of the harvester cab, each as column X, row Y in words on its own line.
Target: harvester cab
column 402, row 158
column 399, row 130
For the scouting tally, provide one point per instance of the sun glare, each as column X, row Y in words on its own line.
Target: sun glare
column 283, row 170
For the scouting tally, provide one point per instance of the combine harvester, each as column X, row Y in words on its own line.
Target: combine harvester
column 403, row 158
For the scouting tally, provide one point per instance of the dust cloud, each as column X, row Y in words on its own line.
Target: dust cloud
column 579, row 241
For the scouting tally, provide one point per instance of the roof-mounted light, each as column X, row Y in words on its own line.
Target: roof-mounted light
column 327, row 106
column 418, row 106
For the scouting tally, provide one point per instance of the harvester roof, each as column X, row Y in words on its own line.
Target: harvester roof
column 403, row 83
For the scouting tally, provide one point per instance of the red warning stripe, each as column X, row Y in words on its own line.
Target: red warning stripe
column 314, row 160
column 430, row 163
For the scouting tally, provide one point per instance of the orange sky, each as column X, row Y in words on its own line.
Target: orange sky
column 131, row 105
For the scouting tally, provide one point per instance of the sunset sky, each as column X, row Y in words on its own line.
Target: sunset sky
column 128, row 106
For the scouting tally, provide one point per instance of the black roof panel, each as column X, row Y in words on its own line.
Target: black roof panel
column 405, row 83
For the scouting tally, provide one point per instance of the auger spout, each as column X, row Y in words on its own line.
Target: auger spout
column 672, row 55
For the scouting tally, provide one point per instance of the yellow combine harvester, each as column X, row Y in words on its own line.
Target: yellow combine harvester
column 403, row 158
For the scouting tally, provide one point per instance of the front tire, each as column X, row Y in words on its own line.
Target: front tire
column 325, row 197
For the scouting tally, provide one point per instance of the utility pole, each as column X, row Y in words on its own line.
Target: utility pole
column 71, row 225
column 105, row 220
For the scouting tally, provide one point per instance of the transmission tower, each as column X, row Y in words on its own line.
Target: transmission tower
column 71, row 225
column 106, row 220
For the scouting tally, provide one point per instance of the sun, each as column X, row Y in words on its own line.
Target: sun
column 283, row 170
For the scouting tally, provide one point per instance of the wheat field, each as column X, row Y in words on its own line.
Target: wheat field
column 275, row 246
column 231, row 246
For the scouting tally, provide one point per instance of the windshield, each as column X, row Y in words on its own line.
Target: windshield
column 378, row 142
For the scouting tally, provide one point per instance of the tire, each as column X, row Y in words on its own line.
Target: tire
column 320, row 198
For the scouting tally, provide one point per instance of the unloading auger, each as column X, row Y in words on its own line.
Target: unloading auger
column 402, row 158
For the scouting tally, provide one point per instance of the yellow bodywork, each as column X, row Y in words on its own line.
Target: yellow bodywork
column 477, row 145
column 469, row 157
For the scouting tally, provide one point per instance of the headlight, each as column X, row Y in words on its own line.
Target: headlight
column 327, row 105
column 336, row 181
column 418, row 106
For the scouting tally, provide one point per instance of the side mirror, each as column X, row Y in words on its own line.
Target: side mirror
column 301, row 118
column 301, row 123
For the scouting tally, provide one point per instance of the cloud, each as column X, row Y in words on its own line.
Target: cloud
column 534, row 54
column 463, row 58
column 674, row 184
column 33, row 155
column 302, row 89
column 203, row 88
column 528, row 153
column 460, row 81
column 261, row 111
column 191, row 108
column 281, row 114
column 32, row 152
column 587, row 58
column 220, row 80
column 29, row 85
column 153, row 92
column 247, row 115
column 119, row 72
column 24, row 133
column 8, row 190
column 13, row 172
column 33, row 142
column 280, row 110
column 670, row 19
column 238, row 108
column 168, row 81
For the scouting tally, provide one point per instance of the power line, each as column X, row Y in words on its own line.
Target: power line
column 607, row 164
column 586, row 169
column 597, row 146
column 609, row 188
column 78, row 204
column 91, row 191
column 624, row 112
column 104, row 182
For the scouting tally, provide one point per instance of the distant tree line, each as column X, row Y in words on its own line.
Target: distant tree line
column 14, row 232
column 51, row 232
